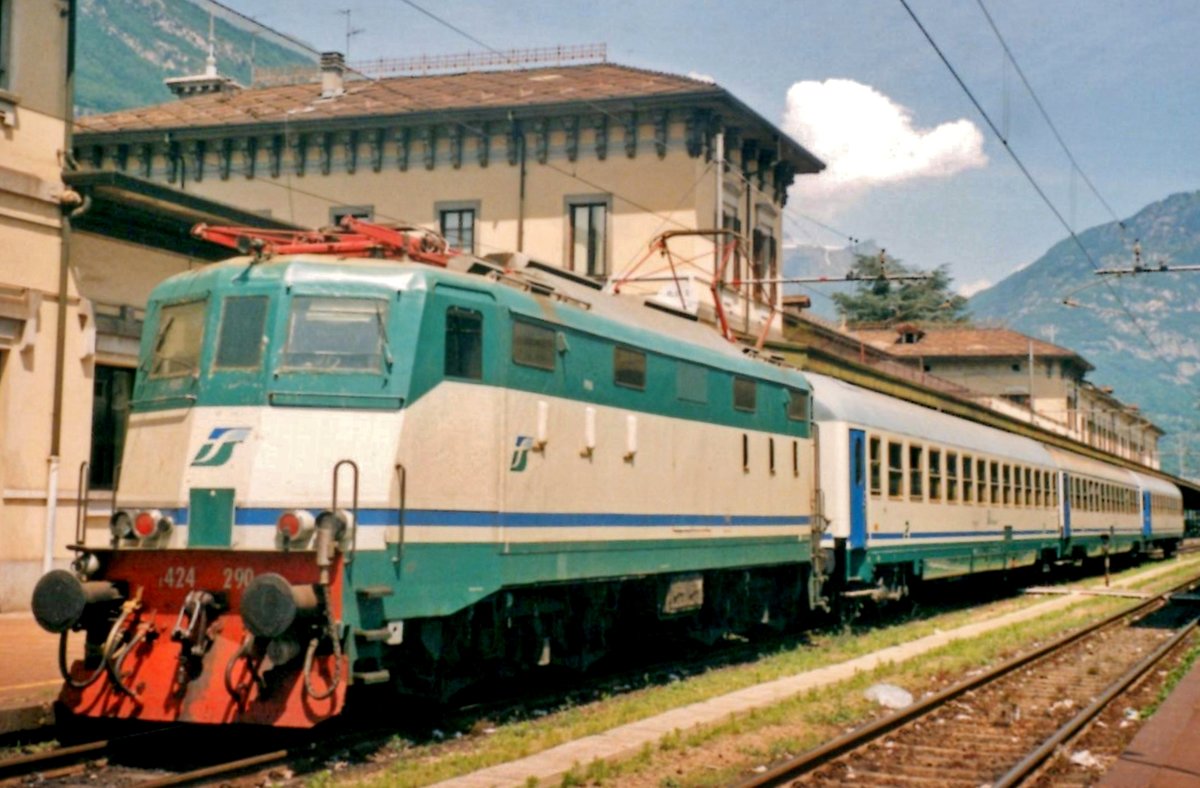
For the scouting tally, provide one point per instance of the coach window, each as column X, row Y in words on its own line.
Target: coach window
column 981, row 481
column 895, row 470
column 876, row 466
column 533, row 345
column 337, row 335
column 916, row 471
column 951, row 477
column 629, row 368
column 935, row 475
column 179, row 340
column 1039, row 488
column 968, row 479
column 240, row 343
column 1028, row 487
column 995, row 487
column 745, row 397
column 1006, row 480
column 464, row 343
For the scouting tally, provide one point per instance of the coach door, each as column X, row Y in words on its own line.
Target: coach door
column 858, row 490
column 1146, row 513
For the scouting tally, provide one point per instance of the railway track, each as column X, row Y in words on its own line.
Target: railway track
column 1000, row 727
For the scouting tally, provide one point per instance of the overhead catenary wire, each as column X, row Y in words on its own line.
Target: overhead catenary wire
column 1033, row 182
column 1046, row 116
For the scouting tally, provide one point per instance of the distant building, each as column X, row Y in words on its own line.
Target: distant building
column 1006, row 368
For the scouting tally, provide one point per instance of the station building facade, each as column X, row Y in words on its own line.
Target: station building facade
column 577, row 165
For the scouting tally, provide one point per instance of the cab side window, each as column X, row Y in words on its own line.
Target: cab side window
column 464, row 344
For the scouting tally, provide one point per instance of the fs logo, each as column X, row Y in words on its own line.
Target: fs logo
column 220, row 445
column 520, row 457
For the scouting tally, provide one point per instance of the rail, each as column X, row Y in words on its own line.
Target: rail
column 792, row 769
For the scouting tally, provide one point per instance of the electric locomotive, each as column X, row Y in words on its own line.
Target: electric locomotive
column 361, row 458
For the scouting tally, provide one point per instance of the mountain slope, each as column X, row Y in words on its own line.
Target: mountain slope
column 1141, row 332
column 126, row 48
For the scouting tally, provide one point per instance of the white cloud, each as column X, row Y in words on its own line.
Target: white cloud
column 696, row 75
column 971, row 288
column 866, row 139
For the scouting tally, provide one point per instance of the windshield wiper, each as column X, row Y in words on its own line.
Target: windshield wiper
column 387, row 347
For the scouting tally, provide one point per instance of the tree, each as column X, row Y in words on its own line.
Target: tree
column 878, row 299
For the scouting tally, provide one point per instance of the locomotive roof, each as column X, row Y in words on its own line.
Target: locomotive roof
column 836, row 400
column 572, row 304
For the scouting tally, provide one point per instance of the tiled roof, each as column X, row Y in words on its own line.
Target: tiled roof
column 961, row 342
column 475, row 93
column 402, row 95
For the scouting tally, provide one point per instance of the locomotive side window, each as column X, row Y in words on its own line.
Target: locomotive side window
column 691, row 383
column 876, row 466
column 533, row 345
column 745, row 395
column 629, row 368
column 464, row 343
column 797, row 408
column 179, row 340
column 337, row 335
column 916, row 471
column 895, row 470
column 240, row 343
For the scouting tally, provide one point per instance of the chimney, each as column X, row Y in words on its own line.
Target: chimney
column 333, row 68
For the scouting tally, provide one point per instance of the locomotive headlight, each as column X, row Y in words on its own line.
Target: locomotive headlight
column 294, row 527
column 150, row 523
column 121, row 524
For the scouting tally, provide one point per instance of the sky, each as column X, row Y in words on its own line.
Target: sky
column 912, row 164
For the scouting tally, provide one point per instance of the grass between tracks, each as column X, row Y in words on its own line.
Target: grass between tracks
column 730, row 748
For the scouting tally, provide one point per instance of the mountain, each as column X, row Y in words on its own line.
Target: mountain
column 1142, row 333
column 823, row 261
column 126, row 48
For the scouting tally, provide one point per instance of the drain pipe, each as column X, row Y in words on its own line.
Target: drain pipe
column 69, row 200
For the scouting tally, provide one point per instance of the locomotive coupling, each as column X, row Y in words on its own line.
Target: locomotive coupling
column 61, row 600
column 270, row 605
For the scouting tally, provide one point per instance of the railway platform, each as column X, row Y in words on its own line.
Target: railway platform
column 29, row 679
column 1164, row 752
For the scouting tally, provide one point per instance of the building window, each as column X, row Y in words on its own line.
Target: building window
column 589, row 238
column 464, row 343
column 763, row 264
column 113, row 387
column 364, row 212
column 5, row 26
column 458, row 227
